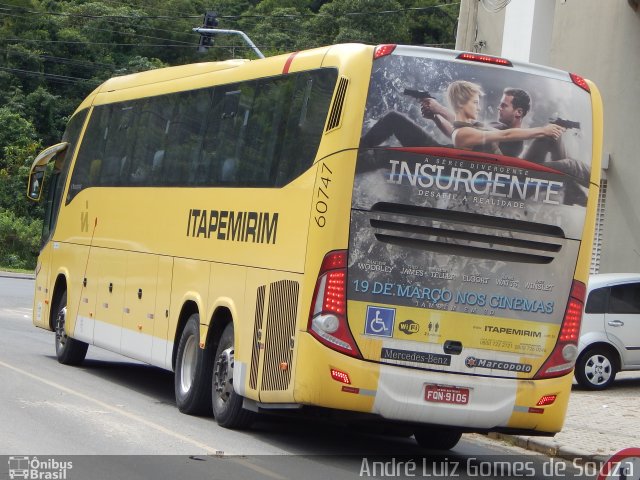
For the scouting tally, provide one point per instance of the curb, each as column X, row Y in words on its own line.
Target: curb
column 549, row 447
column 20, row 276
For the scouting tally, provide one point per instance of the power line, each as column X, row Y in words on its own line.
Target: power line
column 129, row 4
column 128, row 44
column 51, row 76
column 187, row 32
column 61, row 60
column 237, row 17
column 69, row 42
column 347, row 14
column 83, row 15
column 142, row 36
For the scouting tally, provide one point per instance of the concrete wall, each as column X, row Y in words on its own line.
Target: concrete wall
column 600, row 40
column 472, row 15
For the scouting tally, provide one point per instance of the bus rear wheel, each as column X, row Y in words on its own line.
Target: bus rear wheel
column 69, row 351
column 226, row 402
column 192, row 380
column 437, row 438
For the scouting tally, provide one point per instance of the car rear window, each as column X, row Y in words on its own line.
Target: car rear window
column 597, row 301
column 625, row 299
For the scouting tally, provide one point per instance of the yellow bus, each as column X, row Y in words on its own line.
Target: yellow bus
column 392, row 234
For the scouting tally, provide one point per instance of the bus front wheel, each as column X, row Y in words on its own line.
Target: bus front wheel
column 227, row 404
column 437, row 438
column 192, row 380
column 69, row 351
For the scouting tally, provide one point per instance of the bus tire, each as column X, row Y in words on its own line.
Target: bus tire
column 596, row 368
column 69, row 351
column 226, row 402
column 437, row 438
column 192, row 380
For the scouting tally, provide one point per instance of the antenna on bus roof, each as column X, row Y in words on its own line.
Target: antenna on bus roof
column 207, row 31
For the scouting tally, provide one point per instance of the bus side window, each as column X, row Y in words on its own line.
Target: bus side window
column 157, row 167
column 229, row 135
column 120, row 143
column 309, row 108
column 153, row 123
column 88, row 168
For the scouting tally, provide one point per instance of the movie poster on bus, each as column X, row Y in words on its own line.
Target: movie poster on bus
column 471, row 186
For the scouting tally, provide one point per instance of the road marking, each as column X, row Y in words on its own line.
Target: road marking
column 209, row 449
column 148, row 423
column 20, row 312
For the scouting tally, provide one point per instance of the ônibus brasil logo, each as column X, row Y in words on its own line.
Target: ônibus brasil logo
column 34, row 468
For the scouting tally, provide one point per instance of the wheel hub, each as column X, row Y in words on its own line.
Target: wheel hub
column 598, row 369
column 223, row 374
column 61, row 335
column 188, row 368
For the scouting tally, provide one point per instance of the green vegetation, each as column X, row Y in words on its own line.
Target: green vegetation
column 56, row 52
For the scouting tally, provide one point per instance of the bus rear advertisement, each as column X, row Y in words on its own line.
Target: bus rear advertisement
column 394, row 235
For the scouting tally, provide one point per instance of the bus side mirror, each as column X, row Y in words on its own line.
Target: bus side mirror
column 36, row 183
column 36, row 175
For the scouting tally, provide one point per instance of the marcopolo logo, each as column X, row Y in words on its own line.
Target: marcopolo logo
column 409, row 327
column 473, row 362
column 38, row 469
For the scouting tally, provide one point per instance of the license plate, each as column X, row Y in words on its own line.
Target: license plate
column 445, row 394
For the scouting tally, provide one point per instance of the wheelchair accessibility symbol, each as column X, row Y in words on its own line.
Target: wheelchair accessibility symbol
column 380, row 321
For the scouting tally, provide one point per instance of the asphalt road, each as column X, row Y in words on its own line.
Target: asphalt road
column 118, row 419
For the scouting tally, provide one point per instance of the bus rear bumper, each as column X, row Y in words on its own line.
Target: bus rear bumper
column 399, row 394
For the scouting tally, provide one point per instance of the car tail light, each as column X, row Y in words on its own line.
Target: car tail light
column 328, row 315
column 563, row 358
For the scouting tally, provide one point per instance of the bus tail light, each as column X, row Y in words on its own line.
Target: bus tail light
column 563, row 358
column 383, row 50
column 478, row 57
column 579, row 81
column 328, row 315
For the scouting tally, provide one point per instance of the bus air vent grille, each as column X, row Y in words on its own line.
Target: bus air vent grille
column 335, row 115
column 466, row 234
column 255, row 349
column 279, row 334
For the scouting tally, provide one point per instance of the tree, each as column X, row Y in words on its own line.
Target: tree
column 55, row 52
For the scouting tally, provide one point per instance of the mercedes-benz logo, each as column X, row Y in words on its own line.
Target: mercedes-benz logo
column 471, row 362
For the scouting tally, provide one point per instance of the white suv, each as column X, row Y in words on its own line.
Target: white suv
column 610, row 334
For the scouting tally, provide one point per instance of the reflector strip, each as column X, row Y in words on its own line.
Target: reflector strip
column 546, row 400
column 340, row 376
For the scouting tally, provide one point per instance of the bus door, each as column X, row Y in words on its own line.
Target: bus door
column 37, row 186
column 110, row 297
column 139, row 305
column 60, row 156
